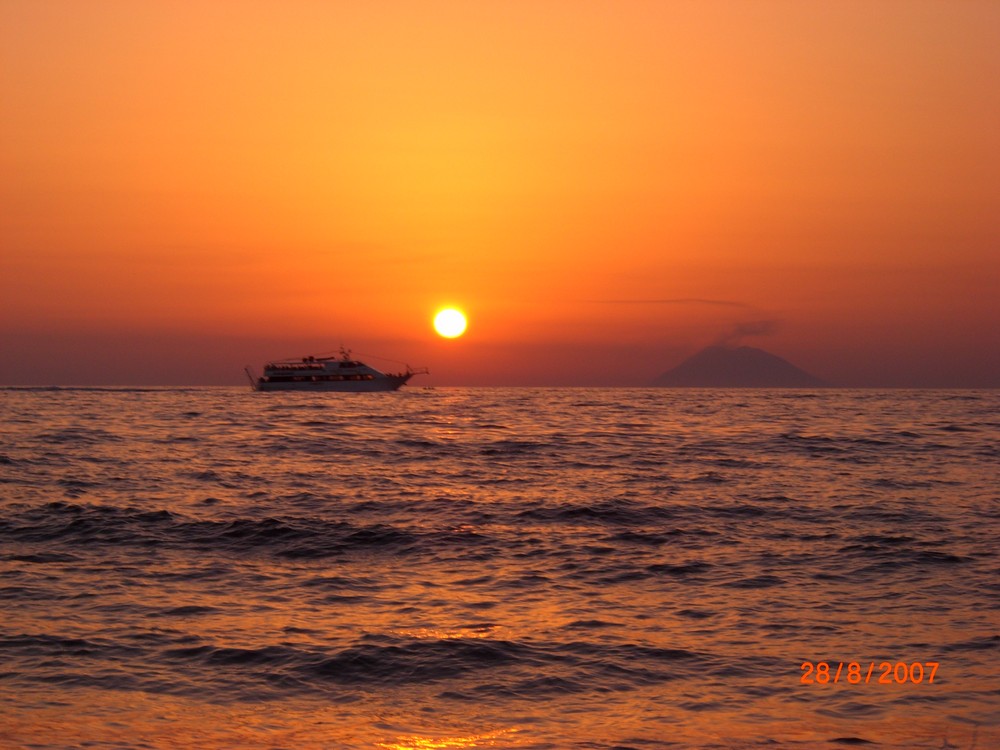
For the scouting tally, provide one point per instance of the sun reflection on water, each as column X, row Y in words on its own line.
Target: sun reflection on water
column 488, row 630
column 419, row 742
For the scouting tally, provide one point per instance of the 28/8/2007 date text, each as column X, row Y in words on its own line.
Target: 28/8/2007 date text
column 886, row 673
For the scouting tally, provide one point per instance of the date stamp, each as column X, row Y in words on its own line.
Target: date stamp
column 887, row 673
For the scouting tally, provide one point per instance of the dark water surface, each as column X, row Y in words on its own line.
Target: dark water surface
column 498, row 568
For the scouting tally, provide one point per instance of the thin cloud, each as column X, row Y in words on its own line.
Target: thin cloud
column 677, row 301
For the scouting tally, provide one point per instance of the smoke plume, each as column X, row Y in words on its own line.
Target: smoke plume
column 745, row 329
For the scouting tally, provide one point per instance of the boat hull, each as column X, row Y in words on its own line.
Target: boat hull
column 387, row 383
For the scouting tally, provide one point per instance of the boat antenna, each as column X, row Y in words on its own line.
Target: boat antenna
column 331, row 352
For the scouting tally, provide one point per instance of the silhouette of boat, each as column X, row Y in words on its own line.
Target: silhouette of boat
column 341, row 373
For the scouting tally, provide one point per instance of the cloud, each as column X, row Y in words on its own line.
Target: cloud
column 678, row 301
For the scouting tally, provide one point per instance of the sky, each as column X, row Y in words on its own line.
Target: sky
column 603, row 187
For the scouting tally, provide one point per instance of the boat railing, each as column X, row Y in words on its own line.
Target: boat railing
column 293, row 366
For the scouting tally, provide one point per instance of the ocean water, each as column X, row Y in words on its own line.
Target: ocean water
column 499, row 568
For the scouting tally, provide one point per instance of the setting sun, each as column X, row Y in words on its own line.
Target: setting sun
column 450, row 323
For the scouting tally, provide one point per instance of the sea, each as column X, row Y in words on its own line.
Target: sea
column 604, row 569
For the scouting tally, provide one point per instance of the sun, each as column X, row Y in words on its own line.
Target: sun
column 450, row 322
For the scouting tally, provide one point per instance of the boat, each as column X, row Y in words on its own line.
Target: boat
column 341, row 373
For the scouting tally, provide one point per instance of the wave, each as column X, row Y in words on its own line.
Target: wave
column 470, row 666
column 79, row 526
column 618, row 511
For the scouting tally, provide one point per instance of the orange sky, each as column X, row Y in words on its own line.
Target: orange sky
column 605, row 187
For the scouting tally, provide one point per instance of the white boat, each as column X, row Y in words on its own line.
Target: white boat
column 321, row 373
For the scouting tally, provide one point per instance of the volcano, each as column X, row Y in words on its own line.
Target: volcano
column 736, row 367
